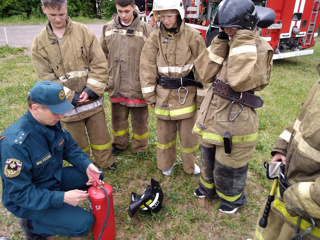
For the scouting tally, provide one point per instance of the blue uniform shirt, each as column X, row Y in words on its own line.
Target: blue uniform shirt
column 31, row 158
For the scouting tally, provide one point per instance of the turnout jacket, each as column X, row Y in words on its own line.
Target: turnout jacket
column 244, row 63
column 172, row 57
column 77, row 62
column 300, row 142
column 31, row 156
column 122, row 47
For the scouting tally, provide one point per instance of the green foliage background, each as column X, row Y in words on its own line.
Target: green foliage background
column 76, row 8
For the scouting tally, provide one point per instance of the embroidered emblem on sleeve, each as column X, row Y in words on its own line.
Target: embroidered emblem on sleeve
column 12, row 168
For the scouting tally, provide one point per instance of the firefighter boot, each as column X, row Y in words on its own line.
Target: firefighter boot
column 26, row 226
column 196, row 169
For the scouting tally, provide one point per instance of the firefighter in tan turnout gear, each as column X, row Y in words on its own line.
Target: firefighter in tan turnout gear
column 298, row 147
column 168, row 85
column 122, row 41
column 69, row 53
column 237, row 63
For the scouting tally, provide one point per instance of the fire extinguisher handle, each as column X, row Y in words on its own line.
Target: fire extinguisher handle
column 95, row 178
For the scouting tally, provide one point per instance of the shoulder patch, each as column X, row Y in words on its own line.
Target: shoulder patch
column 12, row 168
column 20, row 137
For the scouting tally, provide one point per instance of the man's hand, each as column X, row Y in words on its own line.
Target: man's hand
column 279, row 157
column 92, row 168
column 75, row 197
column 83, row 98
column 151, row 105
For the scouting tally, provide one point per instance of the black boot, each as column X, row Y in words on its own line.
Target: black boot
column 26, row 226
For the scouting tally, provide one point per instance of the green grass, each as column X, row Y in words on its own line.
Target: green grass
column 183, row 216
column 6, row 50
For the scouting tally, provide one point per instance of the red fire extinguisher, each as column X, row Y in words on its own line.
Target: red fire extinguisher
column 100, row 196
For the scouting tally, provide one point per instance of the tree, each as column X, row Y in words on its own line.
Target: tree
column 76, row 8
column 108, row 7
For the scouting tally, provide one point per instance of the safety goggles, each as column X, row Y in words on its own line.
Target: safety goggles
column 167, row 15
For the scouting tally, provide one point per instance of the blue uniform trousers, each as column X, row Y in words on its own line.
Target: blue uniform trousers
column 68, row 220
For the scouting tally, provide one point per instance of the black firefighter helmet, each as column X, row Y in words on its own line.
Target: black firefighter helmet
column 242, row 14
column 150, row 200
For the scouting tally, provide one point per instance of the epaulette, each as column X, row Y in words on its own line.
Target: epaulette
column 21, row 137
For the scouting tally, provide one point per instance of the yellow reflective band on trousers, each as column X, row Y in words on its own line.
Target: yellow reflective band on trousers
column 235, row 139
column 86, row 149
column 101, row 147
column 189, row 150
column 277, row 204
column 120, row 133
column 166, row 146
column 258, row 235
column 227, row 198
column 140, row 137
column 176, row 112
column 207, row 185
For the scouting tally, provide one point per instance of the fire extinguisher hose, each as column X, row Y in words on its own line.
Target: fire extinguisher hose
column 108, row 212
column 108, row 203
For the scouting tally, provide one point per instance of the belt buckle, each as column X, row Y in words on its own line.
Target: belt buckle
column 161, row 81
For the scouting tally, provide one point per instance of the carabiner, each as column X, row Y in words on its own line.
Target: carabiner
column 309, row 229
column 237, row 114
column 185, row 97
column 299, row 236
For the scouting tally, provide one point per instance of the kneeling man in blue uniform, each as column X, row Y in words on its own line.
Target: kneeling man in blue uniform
column 37, row 188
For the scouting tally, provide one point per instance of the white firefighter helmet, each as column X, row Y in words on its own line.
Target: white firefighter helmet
column 160, row 5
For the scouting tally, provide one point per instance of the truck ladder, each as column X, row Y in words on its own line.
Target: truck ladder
column 312, row 23
column 196, row 9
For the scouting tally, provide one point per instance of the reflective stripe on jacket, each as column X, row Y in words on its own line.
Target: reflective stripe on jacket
column 244, row 62
column 76, row 61
column 122, row 47
column 172, row 56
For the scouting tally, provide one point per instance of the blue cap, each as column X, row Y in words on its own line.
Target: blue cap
column 52, row 95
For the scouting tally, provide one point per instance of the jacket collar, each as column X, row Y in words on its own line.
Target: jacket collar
column 49, row 132
column 68, row 29
column 165, row 34
column 133, row 25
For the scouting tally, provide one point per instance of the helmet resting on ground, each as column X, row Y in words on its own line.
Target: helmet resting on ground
column 151, row 199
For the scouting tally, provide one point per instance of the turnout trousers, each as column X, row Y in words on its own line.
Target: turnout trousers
column 224, row 175
column 92, row 134
column 282, row 226
column 68, row 220
column 166, row 143
column 120, row 127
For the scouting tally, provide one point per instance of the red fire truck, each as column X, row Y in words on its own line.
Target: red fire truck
column 292, row 34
